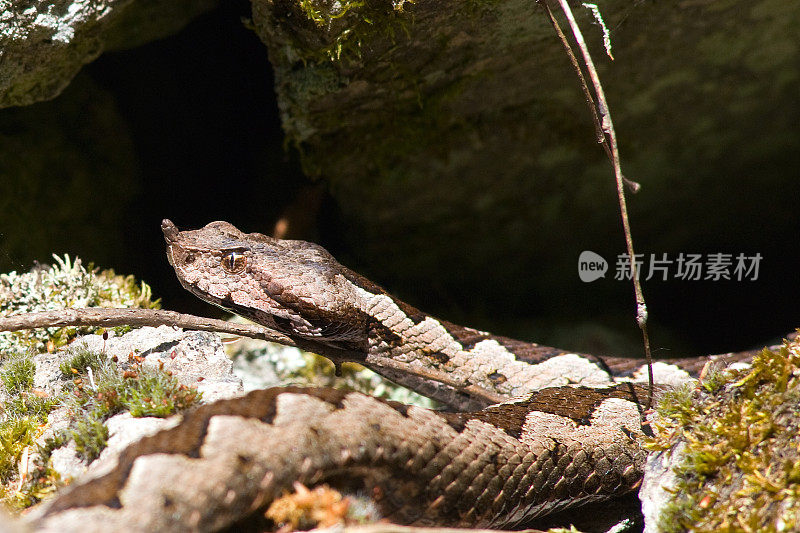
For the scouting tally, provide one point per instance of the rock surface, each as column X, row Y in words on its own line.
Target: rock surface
column 45, row 44
column 659, row 479
column 195, row 358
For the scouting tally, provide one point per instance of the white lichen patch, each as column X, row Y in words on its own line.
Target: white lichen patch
column 52, row 19
column 65, row 284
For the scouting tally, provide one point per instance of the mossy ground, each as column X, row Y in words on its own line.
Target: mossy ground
column 92, row 386
column 741, row 467
column 23, row 421
column 95, row 389
column 106, row 387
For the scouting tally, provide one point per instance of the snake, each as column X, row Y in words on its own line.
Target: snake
column 526, row 430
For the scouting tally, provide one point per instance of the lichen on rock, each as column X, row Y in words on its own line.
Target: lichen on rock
column 45, row 44
column 65, row 284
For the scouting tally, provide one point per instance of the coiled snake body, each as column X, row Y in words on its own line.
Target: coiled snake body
column 535, row 429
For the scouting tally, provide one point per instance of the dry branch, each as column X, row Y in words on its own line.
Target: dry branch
column 604, row 127
column 107, row 318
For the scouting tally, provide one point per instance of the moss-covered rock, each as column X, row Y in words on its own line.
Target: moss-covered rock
column 729, row 449
column 26, row 439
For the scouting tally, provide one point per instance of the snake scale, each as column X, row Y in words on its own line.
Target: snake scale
column 532, row 429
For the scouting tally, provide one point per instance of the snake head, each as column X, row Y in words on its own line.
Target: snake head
column 295, row 287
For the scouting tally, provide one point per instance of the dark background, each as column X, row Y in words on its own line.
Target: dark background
column 200, row 111
column 203, row 116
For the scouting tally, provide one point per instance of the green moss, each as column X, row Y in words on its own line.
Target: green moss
column 323, row 13
column 18, row 435
column 42, row 479
column 24, row 415
column 740, row 469
column 342, row 26
column 153, row 392
column 80, row 361
column 30, row 404
column 17, row 374
column 111, row 388
column 51, row 443
column 157, row 398
column 91, row 437
column 42, row 482
column 714, row 380
column 15, row 435
column 99, row 387
column 65, row 284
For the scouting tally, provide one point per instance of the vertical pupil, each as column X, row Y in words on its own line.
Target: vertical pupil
column 233, row 262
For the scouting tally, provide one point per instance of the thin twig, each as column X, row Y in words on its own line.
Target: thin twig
column 587, row 94
column 107, row 318
column 600, row 134
column 603, row 122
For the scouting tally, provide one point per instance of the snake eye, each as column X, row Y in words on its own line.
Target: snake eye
column 233, row 262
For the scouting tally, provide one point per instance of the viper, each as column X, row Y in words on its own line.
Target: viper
column 526, row 430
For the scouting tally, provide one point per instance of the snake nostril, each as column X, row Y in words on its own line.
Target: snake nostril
column 274, row 288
